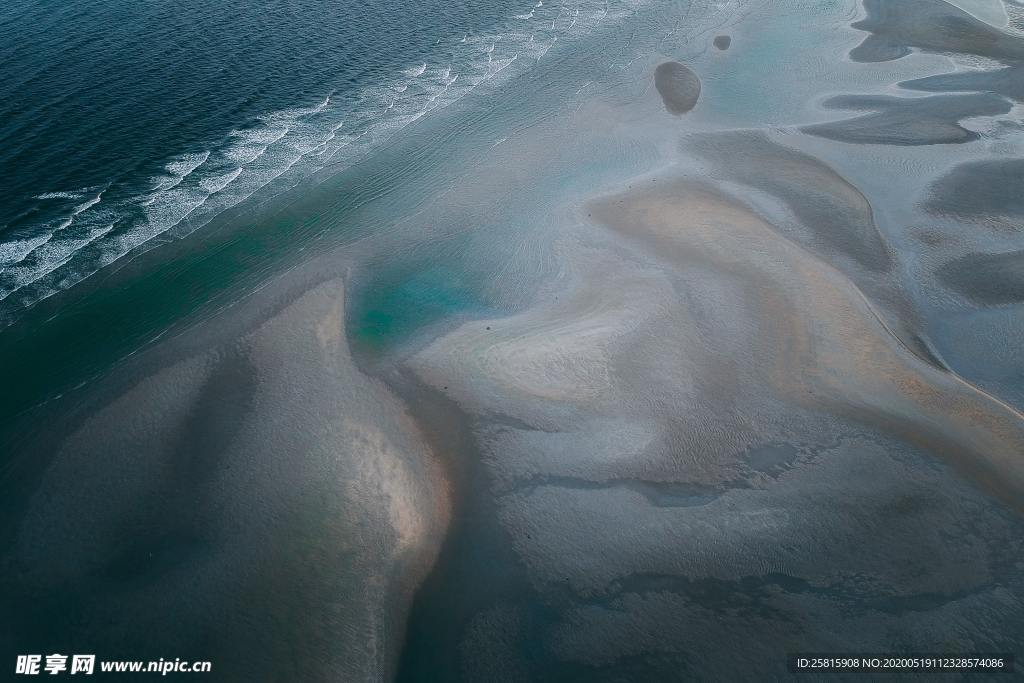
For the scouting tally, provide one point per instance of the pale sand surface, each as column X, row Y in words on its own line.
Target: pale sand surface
column 301, row 493
column 712, row 404
column 835, row 351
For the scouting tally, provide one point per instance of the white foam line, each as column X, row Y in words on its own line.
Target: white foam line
column 236, row 200
column 60, row 195
column 127, row 242
column 261, row 136
column 187, row 163
column 169, row 206
column 348, row 142
column 320, row 107
column 179, row 173
column 61, row 252
column 416, row 70
column 63, row 225
column 504, row 63
column 15, row 251
column 296, row 113
column 83, row 207
column 215, row 185
column 245, row 154
column 320, row 147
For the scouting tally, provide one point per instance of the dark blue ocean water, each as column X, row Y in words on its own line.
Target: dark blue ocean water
column 127, row 127
column 126, row 124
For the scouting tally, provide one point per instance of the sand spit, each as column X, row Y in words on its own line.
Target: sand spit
column 1008, row 82
column 932, row 25
column 829, row 345
column 264, row 494
column 941, row 27
column 678, row 86
column 837, row 219
column 992, row 12
column 546, row 361
column 909, row 120
column 833, row 218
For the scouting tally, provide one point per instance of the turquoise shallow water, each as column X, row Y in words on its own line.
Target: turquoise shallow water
column 174, row 115
column 395, row 307
column 273, row 121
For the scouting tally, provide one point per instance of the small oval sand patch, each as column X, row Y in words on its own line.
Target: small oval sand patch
column 678, row 86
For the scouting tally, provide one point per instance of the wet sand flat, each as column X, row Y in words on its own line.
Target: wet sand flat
column 836, row 342
column 646, row 397
column 910, row 121
column 265, row 477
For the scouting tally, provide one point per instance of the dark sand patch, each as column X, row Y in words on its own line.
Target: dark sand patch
column 908, row 121
column 722, row 42
column 678, row 86
column 987, row 278
column 896, row 26
column 931, row 238
column 981, row 190
column 1008, row 82
column 835, row 212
